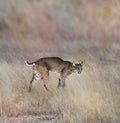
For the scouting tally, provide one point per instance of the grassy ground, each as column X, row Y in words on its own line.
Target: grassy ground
column 91, row 97
column 75, row 30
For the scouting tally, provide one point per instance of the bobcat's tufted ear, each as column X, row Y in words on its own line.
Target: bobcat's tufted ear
column 73, row 64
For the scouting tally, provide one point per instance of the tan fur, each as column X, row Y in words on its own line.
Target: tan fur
column 42, row 67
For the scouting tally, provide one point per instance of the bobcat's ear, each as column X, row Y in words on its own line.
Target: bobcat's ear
column 73, row 64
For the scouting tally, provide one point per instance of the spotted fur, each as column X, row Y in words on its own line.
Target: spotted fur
column 43, row 66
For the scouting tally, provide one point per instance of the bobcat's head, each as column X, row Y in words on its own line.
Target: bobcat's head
column 79, row 67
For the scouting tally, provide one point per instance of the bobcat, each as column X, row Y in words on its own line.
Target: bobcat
column 42, row 67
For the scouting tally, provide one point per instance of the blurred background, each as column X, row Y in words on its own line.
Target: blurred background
column 68, row 28
column 75, row 30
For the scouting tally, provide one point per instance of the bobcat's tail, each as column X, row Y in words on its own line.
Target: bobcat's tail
column 29, row 63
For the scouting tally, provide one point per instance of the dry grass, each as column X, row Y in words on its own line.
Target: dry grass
column 72, row 29
column 91, row 97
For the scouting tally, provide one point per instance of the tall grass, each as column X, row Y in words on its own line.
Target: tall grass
column 89, row 97
column 71, row 29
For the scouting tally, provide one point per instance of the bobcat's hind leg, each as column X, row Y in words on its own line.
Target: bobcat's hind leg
column 44, row 75
column 35, row 78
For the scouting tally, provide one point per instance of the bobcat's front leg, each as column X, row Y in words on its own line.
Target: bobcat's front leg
column 64, row 73
column 62, row 78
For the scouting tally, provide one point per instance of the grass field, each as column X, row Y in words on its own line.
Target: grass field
column 91, row 97
column 75, row 30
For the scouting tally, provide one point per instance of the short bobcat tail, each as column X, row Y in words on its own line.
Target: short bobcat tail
column 29, row 63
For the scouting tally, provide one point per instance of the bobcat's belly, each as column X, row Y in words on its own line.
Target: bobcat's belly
column 55, row 71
